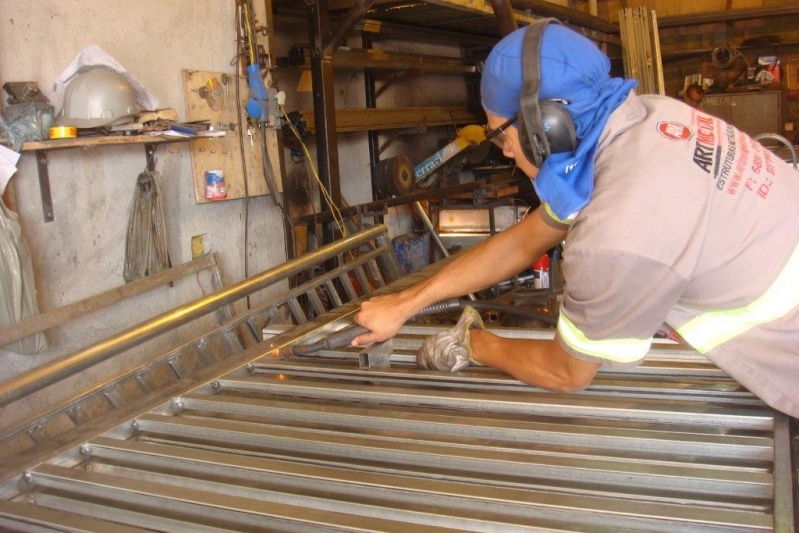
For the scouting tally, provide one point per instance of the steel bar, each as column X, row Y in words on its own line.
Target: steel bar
column 14, row 515
column 39, row 378
column 116, row 514
column 524, row 466
column 533, row 506
column 570, row 406
column 324, row 111
column 210, row 507
column 481, row 426
column 313, row 495
column 353, row 16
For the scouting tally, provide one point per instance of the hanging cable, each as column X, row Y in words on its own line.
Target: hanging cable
column 334, row 211
column 725, row 54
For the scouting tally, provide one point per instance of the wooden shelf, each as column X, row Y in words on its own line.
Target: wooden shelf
column 40, row 148
column 106, row 140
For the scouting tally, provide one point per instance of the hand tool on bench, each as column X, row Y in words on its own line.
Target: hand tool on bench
column 338, row 339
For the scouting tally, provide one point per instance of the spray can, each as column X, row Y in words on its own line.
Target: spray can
column 215, row 188
column 541, row 273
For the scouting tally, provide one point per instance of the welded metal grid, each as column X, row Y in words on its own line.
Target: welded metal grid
column 320, row 444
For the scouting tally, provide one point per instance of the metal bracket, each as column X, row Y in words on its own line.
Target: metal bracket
column 376, row 356
column 44, row 185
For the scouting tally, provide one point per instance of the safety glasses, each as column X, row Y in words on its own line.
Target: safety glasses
column 498, row 135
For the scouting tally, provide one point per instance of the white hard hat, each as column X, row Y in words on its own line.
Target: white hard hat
column 95, row 98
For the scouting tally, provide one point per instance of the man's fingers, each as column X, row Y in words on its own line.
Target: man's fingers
column 365, row 338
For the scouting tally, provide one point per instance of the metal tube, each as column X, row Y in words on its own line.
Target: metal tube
column 38, row 378
column 429, row 225
column 353, row 16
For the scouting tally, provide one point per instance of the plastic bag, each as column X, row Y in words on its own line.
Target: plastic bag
column 17, row 287
column 29, row 121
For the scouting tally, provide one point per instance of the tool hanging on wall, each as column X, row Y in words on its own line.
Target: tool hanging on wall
column 146, row 245
column 262, row 105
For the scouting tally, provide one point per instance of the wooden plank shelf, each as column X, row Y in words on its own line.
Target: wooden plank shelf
column 100, row 141
column 40, row 149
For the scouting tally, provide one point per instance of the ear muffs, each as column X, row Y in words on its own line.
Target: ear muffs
column 545, row 126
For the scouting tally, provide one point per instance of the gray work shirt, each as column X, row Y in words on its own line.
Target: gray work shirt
column 688, row 216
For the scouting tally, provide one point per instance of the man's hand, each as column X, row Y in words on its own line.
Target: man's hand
column 450, row 350
column 383, row 316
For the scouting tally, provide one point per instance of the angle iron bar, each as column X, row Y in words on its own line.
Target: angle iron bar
column 116, row 514
column 297, row 311
column 40, row 377
column 201, row 349
column 366, row 287
column 661, row 440
column 363, row 484
column 340, row 271
column 250, row 328
column 331, row 290
column 349, row 288
column 316, row 301
column 598, row 392
column 372, row 269
column 173, row 367
column 696, row 390
column 485, row 378
column 479, row 460
column 231, row 339
column 40, row 518
column 208, row 506
column 656, row 55
column 422, row 512
column 567, row 406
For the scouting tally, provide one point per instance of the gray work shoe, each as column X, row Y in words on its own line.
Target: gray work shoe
column 450, row 350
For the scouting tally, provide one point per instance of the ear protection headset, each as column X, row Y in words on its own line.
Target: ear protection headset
column 545, row 126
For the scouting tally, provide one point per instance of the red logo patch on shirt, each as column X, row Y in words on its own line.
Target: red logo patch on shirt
column 674, row 131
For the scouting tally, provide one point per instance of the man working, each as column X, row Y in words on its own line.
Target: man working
column 668, row 215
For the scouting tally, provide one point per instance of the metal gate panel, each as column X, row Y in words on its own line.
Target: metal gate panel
column 321, row 443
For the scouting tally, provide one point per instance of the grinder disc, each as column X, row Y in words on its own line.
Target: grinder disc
column 394, row 177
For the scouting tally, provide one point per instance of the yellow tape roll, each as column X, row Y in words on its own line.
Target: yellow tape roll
column 63, row 132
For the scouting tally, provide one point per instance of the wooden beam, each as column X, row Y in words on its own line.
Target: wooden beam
column 350, row 120
column 727, row 16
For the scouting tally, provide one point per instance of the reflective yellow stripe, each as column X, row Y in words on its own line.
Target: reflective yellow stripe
column 708, row 330
column 616, row 350
column 554, row 217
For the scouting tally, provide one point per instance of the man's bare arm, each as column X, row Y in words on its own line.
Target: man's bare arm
column 542, row 363
column 496, row 259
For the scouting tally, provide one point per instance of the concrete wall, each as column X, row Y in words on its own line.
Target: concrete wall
column 82, row 252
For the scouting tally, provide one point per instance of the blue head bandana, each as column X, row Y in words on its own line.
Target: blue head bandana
column 572, row 69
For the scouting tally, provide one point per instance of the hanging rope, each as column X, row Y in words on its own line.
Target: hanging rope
column 146, row 247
